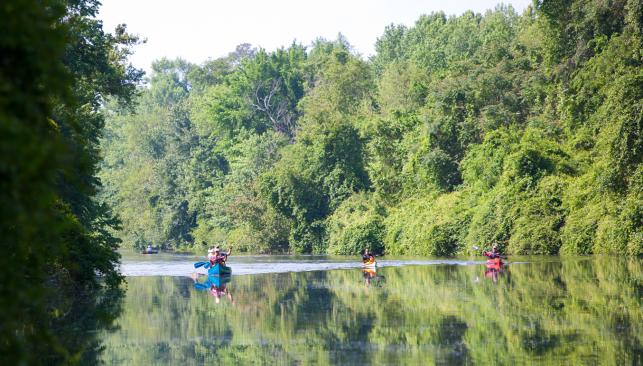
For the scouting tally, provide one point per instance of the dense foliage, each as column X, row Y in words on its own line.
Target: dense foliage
column 57, row 66
column 460, row 131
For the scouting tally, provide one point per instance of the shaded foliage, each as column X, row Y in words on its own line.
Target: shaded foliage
column 57, row 68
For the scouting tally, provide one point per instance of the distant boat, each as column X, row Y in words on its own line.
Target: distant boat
column 149, row 251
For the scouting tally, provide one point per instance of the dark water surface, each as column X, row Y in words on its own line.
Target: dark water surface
column 325, row 310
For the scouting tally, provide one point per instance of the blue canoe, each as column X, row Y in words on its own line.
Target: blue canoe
column 219, row 269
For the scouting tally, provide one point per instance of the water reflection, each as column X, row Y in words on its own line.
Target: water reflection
column 494, row 269
column 371, row 277
column 79, row 324
column 215, row 285
column 571, row 311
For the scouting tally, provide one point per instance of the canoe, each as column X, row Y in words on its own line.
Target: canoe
column 154, row 251
column 219, row 269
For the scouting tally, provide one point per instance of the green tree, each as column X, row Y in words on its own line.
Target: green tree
column 58, row 67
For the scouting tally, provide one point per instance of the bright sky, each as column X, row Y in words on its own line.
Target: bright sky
column 196, row 30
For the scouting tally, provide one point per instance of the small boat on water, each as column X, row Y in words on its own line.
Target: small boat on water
column 219, row 269
column 370, row 263
column 149, row 251
column 495, row 263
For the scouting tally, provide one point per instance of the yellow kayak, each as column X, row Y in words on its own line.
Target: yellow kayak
column 370, row 262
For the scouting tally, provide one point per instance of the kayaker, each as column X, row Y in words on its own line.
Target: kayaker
column 367, row 257
column 218, row 256
column 494, row 253
column 211, row 255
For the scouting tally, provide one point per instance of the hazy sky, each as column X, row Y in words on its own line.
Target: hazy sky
column 200, row 29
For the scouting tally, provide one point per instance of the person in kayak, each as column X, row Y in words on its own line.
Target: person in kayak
column 367, row 257
column 494, row 253
column 217, row 256
column 211, row 255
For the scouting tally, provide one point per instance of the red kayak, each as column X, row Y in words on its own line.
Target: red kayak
column 494, row 263
column 495, row 259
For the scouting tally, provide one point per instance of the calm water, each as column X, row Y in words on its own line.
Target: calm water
column 327, row 310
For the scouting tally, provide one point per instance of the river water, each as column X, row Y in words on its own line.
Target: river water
column 419, row 311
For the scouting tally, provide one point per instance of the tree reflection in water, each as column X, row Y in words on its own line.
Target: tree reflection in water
column 80, row 323
column 548, row 311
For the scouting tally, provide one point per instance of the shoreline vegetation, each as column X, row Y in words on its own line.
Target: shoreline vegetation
column 58, row 272
column 461, row 131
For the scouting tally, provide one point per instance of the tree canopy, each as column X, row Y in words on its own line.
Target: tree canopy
column 461, row 131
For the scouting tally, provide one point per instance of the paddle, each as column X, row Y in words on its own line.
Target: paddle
column 200, row 264
column 499, row 255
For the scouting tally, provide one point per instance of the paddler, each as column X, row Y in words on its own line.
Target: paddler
column 494, row 253
column 211, row 255
column 367, row 257
column 215, row 255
